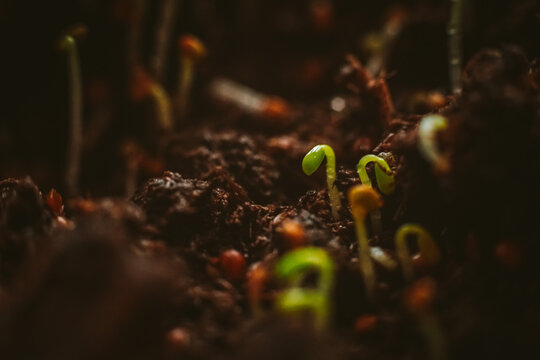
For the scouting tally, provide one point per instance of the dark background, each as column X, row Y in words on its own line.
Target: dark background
column 271, row 45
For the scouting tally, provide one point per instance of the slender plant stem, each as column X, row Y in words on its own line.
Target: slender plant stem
column 375, row 218
column 163, row 35
column 163, row 107
column 402, row 251
column 333, row 193
column 185, row 82
column 132, row 171
column 75, row 139
column 455, row 37
column 434, row 336
column 364, row 256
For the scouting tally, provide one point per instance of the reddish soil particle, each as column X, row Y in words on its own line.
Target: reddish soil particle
column 257, row 276
column 54, row 200
column 177, row 339
column 156, row 276
column 365, row 324
column 233, row 265
column 293, row 234
column 419, row 297
column 508, row 254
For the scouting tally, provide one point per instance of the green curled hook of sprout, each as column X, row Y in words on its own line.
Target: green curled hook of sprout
column 312, row 161
column 427, row 136
column 383, row 173
column 429, row 251
column 385, row 182
column 293, row 268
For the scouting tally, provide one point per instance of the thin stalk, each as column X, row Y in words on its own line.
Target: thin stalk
column 333, row 193
column 364, row 255
column 429, row 324
column 163, row 106
column 132, row 170
column 75, row 139
column 186, row 81
column 163, row 35
column 455, row 37
column 363, row 199
column 375, row 218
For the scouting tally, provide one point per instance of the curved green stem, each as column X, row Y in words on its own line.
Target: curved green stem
column 75, row 139
column 427, row 136
column 383, row 173
column 311, row 163
column 163, row 106
column 293, row 267
column 385, row 182
column 429, row 250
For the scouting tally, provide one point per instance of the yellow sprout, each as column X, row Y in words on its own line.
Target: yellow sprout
column 364, row 199
column 429, row 251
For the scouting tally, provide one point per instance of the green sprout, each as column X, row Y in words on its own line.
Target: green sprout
column 429, row 250
column 192, row 50
column 385, row 183
column 311, row 163
column 455, row 57
column 144, row 86
column 163, row 106
column 363, row 199
column 68, row 44
column 427, row 141
column 165, row 25
column 383, row 173
column 294, row 267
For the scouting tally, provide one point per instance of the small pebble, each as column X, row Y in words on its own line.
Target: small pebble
column 293, row 234
column 177, row 339
column 233, row 264
column 54, row 200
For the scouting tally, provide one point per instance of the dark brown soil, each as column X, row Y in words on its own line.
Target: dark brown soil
column 151, row 275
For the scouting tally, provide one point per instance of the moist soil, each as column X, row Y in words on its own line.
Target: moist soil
column 151, row 275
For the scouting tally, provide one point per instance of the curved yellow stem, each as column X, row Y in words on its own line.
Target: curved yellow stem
column 428, row 248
